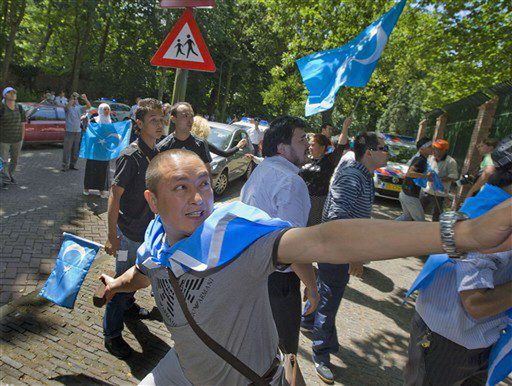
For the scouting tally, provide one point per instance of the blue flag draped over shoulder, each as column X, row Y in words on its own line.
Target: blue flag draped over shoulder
column 352, row 65
column 104, row 142
column 500, row 360
column 227, row 232
column 75, row 258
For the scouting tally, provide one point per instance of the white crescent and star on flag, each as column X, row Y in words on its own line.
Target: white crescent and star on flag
column 77, row 248
column 116, row 136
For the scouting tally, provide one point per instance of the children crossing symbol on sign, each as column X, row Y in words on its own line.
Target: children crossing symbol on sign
column 190, row 43
column 179, row 45
column 184, row 47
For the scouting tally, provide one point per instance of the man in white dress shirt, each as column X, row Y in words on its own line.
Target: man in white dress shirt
column 256, row 136
column 276, row 188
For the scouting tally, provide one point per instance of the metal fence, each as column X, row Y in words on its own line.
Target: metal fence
column 461, row 119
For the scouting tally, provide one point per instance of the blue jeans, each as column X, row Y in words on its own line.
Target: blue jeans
column 331, row 283
column 113, row 320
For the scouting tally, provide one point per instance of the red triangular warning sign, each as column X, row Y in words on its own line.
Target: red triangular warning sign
column 184, row 47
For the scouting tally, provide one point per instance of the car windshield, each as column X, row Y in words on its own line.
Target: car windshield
column 400, row 153
column 219, row 137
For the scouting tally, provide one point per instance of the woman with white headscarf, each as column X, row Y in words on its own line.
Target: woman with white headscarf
column 96, row 172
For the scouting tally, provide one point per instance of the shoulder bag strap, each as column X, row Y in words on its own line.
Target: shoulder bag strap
column 236, row 363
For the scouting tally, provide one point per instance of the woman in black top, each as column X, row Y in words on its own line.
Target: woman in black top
column 317, row 175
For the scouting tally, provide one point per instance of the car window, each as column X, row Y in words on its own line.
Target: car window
column 219, row 137
column 123, row 108
column 44, row 114
column 400, row 153
column 237, row 137
column 61, row 114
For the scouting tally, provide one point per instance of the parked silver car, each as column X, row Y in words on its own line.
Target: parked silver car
column 226, row 170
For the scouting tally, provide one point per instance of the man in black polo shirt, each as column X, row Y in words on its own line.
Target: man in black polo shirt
column 182, row 115
column 128, row 217
column 409, row 196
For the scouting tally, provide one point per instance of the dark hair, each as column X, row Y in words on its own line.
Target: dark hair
column 501, row 177
column 322, row 140
column 281, row 131
column 154, row 171
column 493, row 142
column 144, row 107
column 174, row 107
column 422, row 141
column 324, row 125
column 368, row 140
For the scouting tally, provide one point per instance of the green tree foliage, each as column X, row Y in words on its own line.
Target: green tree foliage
column 438, row 52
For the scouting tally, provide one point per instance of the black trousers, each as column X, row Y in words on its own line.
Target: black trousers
column 443, row 362
column 286, row 303
column 429, row 201
column 96, row 175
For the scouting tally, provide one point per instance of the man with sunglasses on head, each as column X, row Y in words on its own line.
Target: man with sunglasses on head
column 350, row 196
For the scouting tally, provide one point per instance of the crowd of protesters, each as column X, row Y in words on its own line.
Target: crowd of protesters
column 324, row 191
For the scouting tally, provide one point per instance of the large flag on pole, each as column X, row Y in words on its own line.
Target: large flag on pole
column 352, row 65
column 103, row 142
column 75, row 258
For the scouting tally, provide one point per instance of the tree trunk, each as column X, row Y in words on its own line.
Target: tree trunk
column 14, row 24
column 3, row 23
column 81, row 46
column 228, row 90
column 44, row 44
column 48, row 34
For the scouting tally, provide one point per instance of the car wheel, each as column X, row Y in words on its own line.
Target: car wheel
column 221, row 183
column 249, row 170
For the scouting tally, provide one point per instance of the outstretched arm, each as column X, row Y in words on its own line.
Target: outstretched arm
column 359, row 240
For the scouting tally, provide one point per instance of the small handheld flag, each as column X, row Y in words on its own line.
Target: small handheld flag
column 75, row 258
column 325, row 72
column 104, row 142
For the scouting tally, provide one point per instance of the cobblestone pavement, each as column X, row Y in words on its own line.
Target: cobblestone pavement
column 42, row 343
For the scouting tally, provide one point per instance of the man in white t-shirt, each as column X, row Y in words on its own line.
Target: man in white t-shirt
column 256, row 136
column 446, row 168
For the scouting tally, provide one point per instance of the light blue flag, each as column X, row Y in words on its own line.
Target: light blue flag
column 438, row 183
column 500, row 358
column 352, row 65
column 75, row 258
column 226, row 233
column 103, row 142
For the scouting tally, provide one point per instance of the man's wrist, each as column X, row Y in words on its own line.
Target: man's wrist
column 464, row 240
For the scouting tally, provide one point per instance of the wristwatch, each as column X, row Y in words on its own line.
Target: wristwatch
column 447, row 222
